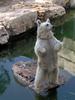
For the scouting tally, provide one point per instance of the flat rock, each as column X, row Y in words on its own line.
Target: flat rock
column 24, row 73
column 66, row 56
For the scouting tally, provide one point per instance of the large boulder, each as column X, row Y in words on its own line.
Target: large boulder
column 67, row 55
column 18, row 21
column 72, row 3
column 4, row 36
column 19, row 17
column 50, row 11
column 64, row 3
column 61, row 2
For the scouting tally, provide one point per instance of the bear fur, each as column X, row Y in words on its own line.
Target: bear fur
column 46, row 49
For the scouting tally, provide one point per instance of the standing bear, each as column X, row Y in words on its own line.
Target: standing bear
column 46, row 49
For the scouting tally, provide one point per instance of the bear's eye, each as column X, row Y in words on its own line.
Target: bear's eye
column 47, row 24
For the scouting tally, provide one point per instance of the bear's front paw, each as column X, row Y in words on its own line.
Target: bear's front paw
column 58, row 46
column 62, row 43
column 42, row 51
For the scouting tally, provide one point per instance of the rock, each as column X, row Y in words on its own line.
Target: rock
column 20, row 16
column 72, row 3
column 67, row 55
column 65, row 3
column 4, row 36
column 66, row 64
column 61, row 2
column 19, row 21
column 50, row 11
column 24, row 73
column 44, row 1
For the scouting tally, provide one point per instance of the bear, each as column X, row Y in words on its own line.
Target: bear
column 46, row 49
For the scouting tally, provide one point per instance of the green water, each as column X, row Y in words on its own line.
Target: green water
column 19, row 50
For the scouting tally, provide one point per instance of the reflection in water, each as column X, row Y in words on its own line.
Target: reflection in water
column 23, row 47
column 52, row 95
column 4, row 79
column 67, row 30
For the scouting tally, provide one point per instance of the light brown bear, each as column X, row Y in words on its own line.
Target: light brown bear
column 46, row 49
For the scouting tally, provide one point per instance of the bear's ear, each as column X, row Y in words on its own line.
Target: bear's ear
column 48, row 20
column 38, row 22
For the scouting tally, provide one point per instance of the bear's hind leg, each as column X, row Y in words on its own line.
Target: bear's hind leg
column 54, row 77
column 38, row 79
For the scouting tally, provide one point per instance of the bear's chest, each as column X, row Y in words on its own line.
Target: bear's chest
column 45, row 44
column 48, row 46
column 50, row 56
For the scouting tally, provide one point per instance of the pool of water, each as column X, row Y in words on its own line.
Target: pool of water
column 10, row 89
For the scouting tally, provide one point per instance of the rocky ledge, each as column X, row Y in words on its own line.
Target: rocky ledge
column 24, row 73
column 20, row 16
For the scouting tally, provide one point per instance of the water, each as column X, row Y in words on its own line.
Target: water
column 16, row 51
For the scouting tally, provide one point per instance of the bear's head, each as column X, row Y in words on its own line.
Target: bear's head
column 44, row 29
